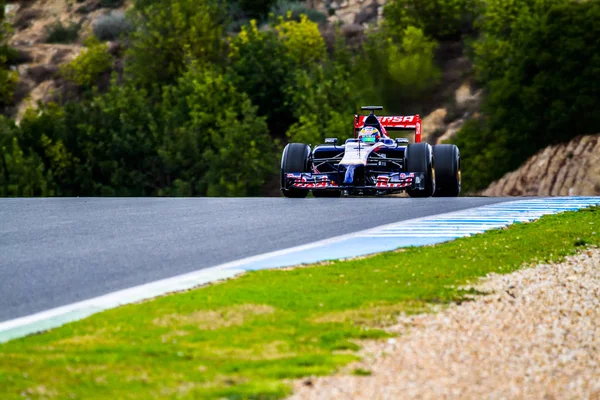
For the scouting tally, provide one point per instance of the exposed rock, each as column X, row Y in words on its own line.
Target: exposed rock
column 570, row 169
column 42, row 92
column 443, row 123
column 466, row 98
column 353, row 31
column 367, row 14
column 22, row 90
column 351, row 11
column 433, row 124
column 451, row 130
column 24, row 19
column 91, row 6
column 24, row 56
column 41, row 72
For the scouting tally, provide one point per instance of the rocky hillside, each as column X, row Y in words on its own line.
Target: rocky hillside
column 47, row 34
column 571, row 169
column 41, row 57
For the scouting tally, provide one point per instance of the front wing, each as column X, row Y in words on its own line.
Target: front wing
column 397, row 181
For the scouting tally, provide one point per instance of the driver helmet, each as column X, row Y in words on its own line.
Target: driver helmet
column 369, row 134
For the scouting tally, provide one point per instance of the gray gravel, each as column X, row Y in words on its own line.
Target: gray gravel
column 536, row 337
column 59, row 251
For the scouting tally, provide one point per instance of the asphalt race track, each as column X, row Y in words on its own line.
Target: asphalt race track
column 55, row 252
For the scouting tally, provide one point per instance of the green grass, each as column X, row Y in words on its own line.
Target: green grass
column 245, row 337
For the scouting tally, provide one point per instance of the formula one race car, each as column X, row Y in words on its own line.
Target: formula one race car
column 372, row 163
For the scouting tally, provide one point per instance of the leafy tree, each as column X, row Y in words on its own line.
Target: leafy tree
column 397, row 75
column 96, row 147
column 324, row 100
column 263, row 64
column 218, row 145
column 302, row 41
column 502, row 24
column 440, row 19
column 171, row 33
column 21, row 174
column 546, row 94
column 259, row 66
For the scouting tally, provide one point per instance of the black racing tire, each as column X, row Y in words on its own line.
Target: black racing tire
column 419, row 158
column 326, row 193
column 294, row 159
column 447, row 170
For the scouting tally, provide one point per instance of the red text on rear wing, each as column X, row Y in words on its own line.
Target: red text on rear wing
column 393, row 123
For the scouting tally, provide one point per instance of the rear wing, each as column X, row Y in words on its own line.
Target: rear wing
column 393, row 123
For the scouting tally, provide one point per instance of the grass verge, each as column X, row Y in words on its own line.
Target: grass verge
column 244, row 337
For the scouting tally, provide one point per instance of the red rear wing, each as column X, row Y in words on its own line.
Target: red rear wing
column 393, row 123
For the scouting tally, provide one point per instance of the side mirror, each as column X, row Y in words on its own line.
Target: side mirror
column 401, row 140
column 331, row 140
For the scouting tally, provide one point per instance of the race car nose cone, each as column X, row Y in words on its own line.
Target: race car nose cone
column 349, row 177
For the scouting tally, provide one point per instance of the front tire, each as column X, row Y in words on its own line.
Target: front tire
column 419, row 158
column 447, row 172
column 294, row 159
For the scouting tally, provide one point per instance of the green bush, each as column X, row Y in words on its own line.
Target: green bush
column 397, row 75
column 59, row 33
column 86, row 68
column 8, row 56
column 259, row 67
column 502, row 25
column 8, row 83
column 21, row 174
column 171, row 33
column 217, row 144
column 440, row 19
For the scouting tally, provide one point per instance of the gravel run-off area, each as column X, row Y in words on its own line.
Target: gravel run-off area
column 536, row 335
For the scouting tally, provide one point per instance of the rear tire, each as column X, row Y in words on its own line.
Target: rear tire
column 419, row 159
column 294, row 159
column 447, row 171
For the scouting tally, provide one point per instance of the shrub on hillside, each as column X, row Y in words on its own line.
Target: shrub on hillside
column 21, row 174
column 111, row 26
column 397, row 75
column 263, row 63
column 85, row 69
column 8, row 83
column 440, row 19
column 8, row 56
column 212, row 141
column 170, row 33
column 59, row 33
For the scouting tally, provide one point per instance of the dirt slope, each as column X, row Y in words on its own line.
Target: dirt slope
column 39, row 61
column 570, row 169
